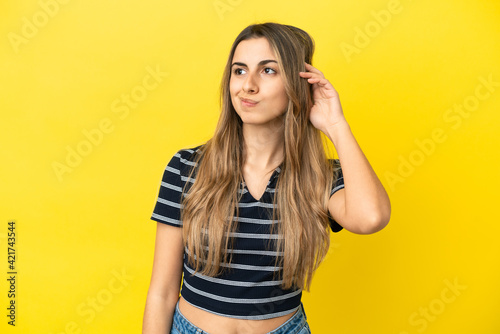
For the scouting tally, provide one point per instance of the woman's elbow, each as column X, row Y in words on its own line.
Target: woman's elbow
column 379, row 219
column 372, row 223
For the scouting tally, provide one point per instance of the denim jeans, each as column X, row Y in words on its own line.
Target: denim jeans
column 297, row 324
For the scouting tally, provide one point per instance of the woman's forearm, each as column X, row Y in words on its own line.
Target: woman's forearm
column 158, row 314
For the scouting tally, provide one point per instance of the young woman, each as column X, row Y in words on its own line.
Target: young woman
column 245, row 217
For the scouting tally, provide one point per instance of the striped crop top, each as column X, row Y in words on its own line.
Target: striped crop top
column 247, row 290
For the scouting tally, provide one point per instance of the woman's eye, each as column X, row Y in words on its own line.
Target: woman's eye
column 267, row 70
column 237, row 71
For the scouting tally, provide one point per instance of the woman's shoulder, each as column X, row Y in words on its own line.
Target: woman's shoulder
column 188, row 155
column 191, row 149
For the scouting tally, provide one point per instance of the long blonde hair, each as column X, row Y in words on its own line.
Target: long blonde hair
column 303, row 186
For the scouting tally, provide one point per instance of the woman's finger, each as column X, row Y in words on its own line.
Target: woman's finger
column 309, row 75
column 313, row 69
column 319, row 81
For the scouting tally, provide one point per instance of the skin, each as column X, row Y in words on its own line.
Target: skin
column 255, row 75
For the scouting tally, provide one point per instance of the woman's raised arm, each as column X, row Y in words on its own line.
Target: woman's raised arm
column 363, row 206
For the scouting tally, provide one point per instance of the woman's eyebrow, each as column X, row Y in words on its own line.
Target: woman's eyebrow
column 262, row 62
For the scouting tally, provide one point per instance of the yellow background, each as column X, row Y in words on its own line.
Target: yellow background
column 78, row 232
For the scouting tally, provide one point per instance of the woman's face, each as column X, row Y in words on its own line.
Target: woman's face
column 256, row 86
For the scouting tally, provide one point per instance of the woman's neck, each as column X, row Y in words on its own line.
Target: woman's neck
column 263, row 145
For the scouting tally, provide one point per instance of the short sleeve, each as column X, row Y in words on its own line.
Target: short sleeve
column 337, row 185
column 167, row 209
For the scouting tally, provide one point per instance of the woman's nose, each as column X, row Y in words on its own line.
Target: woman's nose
column 250, row 84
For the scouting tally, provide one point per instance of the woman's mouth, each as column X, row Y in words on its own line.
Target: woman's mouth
column 248, row 102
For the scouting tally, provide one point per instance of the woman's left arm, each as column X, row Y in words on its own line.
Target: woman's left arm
column 363, row 205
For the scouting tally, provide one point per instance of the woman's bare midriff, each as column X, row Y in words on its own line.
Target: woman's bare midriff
column 217, row 324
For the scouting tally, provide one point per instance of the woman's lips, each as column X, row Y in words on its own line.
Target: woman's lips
column 248, row 103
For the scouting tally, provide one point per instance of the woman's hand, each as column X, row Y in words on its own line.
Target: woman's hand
column 326, row 110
